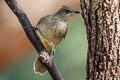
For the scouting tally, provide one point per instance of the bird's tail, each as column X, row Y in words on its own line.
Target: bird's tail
column 38, row 67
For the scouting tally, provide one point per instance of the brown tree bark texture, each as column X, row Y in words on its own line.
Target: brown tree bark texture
column 102, row 20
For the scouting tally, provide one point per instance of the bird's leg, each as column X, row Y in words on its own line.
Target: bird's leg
column 34, row 28
column 51, row 57
column 52, row 53
column 47, row 58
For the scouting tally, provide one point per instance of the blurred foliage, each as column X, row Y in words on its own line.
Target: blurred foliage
column 70, row 57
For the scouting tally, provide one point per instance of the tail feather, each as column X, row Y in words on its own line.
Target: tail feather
column 38, row 67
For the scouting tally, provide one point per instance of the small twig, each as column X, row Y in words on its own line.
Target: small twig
column 27, row 26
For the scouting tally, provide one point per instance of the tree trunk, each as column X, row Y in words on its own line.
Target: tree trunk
column 102, row 20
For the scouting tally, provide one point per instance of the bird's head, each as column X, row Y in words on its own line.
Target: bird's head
column 66, row 12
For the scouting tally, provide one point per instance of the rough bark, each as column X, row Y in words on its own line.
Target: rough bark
column 102, row 20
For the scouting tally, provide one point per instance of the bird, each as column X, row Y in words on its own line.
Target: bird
column 51, row 30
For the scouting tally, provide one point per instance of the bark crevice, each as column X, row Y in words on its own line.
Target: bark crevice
column 102, row 20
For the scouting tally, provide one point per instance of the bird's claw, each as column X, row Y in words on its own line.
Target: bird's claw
column 33, row 28
column 46, row 58
column 49, row 61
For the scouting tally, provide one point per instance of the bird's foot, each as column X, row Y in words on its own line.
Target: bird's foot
column 47, row 59
column 52, row 54
column 50, row 59
column 33, row 28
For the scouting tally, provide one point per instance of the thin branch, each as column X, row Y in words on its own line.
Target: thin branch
column 27, row 26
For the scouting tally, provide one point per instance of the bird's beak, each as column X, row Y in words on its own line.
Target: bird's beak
column 76, row 12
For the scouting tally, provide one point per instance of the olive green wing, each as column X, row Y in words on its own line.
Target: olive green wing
column 44, row 20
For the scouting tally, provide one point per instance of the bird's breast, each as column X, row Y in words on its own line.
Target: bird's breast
column 53, row 33
column 61, row 28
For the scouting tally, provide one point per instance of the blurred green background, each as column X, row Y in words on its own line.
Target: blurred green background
column 70, row 57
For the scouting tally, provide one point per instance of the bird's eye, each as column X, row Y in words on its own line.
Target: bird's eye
column 67, row 11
